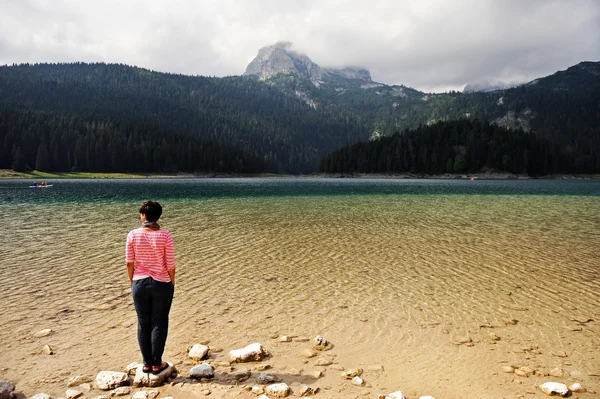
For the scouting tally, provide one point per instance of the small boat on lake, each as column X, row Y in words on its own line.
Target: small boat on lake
column 41, row 185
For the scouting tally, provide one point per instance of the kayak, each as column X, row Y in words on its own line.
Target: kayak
column 49, row 185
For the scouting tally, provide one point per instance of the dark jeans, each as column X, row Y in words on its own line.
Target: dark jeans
column 152, row 300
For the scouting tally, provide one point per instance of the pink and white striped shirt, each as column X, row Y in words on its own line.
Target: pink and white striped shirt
column 152, row 252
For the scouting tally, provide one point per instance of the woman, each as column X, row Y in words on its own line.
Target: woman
column 149, row 254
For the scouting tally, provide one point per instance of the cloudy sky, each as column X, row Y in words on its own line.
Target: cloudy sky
column 431, row 45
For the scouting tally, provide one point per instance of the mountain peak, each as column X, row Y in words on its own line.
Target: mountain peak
column 281, row 58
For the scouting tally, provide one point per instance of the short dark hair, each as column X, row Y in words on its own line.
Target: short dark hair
column 152, row 210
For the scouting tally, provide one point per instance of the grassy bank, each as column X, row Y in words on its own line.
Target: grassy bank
column 37, row 175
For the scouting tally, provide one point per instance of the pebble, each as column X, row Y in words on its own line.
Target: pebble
column 323, row 362
column 280, row 390
column 576, row 387
column 557, row 372
column 121, row 391
column 358, row 381
column 305, row 390
column 301, row 339
column 77, row 380
column 106, row 380
column 308, row 353
column 43, row 333
column 73, row 393
column 257, row 390
column 48, row 350
column 263, row 367
column 317, row 374
column 203, row 370
column 508, row 369
column 524, row 371
column 394, row 395
column 554, row 388
column 285, row 338
column 349, row 374
column 145, row 395
column 242, row 375
column 198, row 352
column 266, row 378
column 41, row 396
column 252, row 352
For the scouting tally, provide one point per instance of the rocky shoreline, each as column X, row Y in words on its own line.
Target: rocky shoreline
column 258, row 378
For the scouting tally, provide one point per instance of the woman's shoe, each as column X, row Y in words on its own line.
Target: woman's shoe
column 160, row 368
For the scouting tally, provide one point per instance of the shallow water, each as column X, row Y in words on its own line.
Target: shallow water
column 393, row 272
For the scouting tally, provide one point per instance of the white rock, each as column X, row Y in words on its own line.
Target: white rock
column 143, row 379
column 145, row 395
column 554, row 388
column 41, row 396
column 77, row 380
column 396, row 395
column 576, row 387
column 358, row 381
column 257, row 390
column 263, row 397
column 203, row 370
column 280, row 390
column 48, row 350
column 285, row 338
column 43, row 333
column 121, row 391
column 107, row 380
column 250, row 353
column 73, row 393
column 198, row 352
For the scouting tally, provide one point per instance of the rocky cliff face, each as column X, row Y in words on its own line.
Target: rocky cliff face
column 280, row 58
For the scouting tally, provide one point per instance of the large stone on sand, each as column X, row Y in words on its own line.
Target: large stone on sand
column 198, row 352
column 203, row 370
column 143, row 379
column 280, row 390
column 251, row 353
column 107, row 380
column 554, row 388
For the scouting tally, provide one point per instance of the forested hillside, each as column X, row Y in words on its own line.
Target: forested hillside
column 286, row 133
column 108, row 117
column 456, row 147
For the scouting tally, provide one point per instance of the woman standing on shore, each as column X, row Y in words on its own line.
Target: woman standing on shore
column 149, row 254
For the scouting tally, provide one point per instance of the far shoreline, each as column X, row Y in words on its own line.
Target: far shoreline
column 8, row 174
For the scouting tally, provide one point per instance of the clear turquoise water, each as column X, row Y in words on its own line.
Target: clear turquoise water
column 392, row 271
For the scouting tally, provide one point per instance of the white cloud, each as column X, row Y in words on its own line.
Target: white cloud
column 426, row 44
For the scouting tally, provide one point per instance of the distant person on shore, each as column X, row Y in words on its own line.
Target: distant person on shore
column 150, row 258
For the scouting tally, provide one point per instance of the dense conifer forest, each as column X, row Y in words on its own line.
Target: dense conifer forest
column 463, row 146
column 117, row 118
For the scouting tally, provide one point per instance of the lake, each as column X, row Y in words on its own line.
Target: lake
column 430, row 286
